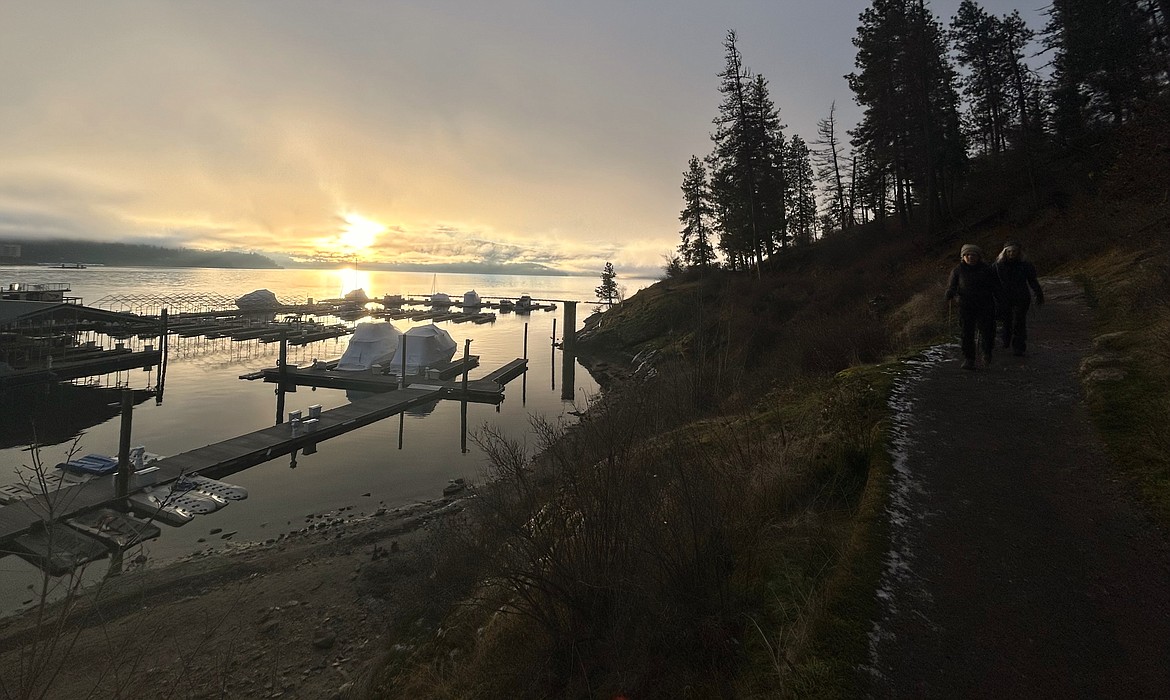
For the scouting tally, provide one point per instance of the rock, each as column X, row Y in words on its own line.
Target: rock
column 1110, row 341
column 269, row 627
column 1105, row 374
column 215, row 531
column 1100, row 360
column 325, row 641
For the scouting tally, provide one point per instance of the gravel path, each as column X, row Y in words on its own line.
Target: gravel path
column 1020, row 566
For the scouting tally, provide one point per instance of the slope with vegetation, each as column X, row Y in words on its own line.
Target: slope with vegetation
column 714, row 526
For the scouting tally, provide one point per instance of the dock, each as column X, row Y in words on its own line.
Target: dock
column 21, row 521
column 216, row 460
column 99, row 362
column 323, row 375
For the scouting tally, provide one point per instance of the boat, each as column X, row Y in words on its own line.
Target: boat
column 152, row 506
column 372, row 343
column 525, row 303
column 259, row 299
column 425, row 346
column 440, row 300
column 471, row 300
column 507, row 305
column 182, row 494
column 212, row 487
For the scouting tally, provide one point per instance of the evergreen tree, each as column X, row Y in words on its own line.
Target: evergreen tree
column 1109, row 56
column 607, row 291
column 910, row 126
column 696, row 249
column 830, row 163
column 801, row 193
column 769, row 153
column 746, row 165
column 998, row 84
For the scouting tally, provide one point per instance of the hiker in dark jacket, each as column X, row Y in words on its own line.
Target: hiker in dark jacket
column 977, row 288
column 1017, row 278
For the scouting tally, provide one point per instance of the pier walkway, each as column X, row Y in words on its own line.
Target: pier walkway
column 216, row 460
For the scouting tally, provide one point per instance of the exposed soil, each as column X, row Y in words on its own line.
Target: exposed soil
column 1021, row 565
column 303, row 617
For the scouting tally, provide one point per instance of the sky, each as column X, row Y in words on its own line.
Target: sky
column 437, row 131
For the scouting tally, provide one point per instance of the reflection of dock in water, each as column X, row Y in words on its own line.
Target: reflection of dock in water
column 27, row 517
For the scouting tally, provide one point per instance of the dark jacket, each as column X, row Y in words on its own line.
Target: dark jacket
column 1016, row 277
column 977, row 286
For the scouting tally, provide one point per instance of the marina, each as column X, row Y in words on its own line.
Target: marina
column 207, row 404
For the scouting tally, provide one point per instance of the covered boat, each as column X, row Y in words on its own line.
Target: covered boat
column 372, row 343
column 471, row 300
column 425, row 346
column 260, row 299
column 440, row 299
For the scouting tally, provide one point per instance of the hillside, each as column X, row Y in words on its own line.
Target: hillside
column 130, row 255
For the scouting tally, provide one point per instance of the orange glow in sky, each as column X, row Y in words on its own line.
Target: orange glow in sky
column 355, row 239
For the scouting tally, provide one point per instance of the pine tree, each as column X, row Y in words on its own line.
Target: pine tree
column 1108, row 58
column 910, row 126
column 830, row 163
column 607, row 291
column 802, row 199
column 768, row 151
column 746, row 165
column 998, row 84
column 696, row 249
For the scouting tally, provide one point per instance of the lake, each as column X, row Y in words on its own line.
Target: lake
column 205, row 401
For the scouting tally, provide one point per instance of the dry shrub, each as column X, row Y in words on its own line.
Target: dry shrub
column 620, row 549
column 922, row 319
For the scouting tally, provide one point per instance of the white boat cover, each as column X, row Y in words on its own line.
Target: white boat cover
column 471, row 299
column 259, row 299
column 440, row 299
column 372, row 343
column 426, row 346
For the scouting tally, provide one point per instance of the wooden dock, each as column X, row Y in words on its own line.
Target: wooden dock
column 92, row 363
column 22, row 520
column 216, row 460
column 323, row 375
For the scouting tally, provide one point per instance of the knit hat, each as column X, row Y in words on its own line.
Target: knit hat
column 1012, row 244
column 971, row 248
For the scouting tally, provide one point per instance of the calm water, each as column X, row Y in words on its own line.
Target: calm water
column 206, row 402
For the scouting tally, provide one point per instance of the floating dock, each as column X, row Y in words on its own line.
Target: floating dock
column 23, row 523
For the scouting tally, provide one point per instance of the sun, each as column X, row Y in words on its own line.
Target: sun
column 359, row 233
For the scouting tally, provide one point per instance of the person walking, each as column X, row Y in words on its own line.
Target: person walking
column 978, row 290
column 1017, row 278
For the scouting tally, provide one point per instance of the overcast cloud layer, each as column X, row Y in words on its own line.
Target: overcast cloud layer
column 448, row 130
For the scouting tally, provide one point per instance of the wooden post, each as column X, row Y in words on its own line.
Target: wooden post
column 463, row 402
column 402, row 344
column 282, row 374
column 122, row 482
column 163, row 347
column 569, row 356
column 466, row 354
column 569, row 333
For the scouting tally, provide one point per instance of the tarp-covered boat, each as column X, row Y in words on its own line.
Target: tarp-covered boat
column 425, row 346
column 372, row 343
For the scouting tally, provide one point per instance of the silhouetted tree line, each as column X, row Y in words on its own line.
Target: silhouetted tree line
column 933, row 98
column 135, row 255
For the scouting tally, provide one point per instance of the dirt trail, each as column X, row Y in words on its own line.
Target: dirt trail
column 1020, row 566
